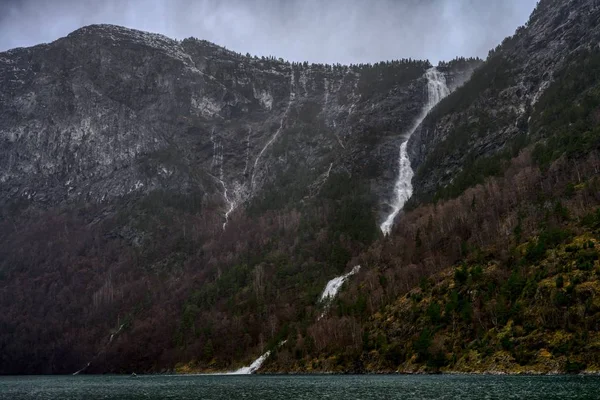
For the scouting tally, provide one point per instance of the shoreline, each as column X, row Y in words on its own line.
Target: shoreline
column 276, row 374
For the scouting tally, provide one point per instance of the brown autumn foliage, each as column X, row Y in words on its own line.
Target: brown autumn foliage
column 482, row 222
column 184, row 291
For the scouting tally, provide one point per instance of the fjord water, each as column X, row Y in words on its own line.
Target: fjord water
column 300, row 387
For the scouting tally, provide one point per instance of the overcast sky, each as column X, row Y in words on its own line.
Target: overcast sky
column 344, row 31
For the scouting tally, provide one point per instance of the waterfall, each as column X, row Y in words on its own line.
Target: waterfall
column 231, row 203
column 255, row 366
column 103, row 349
column 217, row 163
column 334, row 285
column 403, row 190
column 331, row 290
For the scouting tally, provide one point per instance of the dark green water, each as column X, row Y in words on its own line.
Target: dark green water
column 300, row 387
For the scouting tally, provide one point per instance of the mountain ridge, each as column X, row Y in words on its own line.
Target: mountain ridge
column 211, row 102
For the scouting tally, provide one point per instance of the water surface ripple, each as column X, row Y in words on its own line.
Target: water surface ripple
column 299, row 387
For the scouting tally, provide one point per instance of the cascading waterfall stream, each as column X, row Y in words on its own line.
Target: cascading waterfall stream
column 103, row 349
column 333, row 287
column 329, row 293
column 252, row 368
column 403, row 190
column 231, row 204
column 217, row 163
column 255, row 366
column 436, row 91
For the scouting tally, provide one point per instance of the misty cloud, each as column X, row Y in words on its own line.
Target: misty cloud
column 344, row 31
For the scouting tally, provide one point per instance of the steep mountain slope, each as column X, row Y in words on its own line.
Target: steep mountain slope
column 496, row 110
column 494, row 266
column 177, row 185
column 109, row 111
column 474, row 284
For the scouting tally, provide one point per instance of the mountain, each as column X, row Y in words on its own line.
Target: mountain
column 493, row 267
column 497, row 107
column 173, row 205
column 138, row 170
column 109, row 111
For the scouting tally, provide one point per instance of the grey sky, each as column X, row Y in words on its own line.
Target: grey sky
column 344, row 31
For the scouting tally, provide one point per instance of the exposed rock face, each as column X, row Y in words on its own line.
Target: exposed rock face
column 494, row 107
column 136, row 152
column 109, row 111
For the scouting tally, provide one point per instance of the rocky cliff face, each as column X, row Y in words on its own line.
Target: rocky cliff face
column 179, row 194
column 511, row 160
column 109, row 111
column 493, row 109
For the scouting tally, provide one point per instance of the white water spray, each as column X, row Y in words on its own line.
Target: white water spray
column 231, row 203
column 255, row 366
column 334, row 285
column 217, row 163
column 247, row 151
column 331, row 290
column 403, row 189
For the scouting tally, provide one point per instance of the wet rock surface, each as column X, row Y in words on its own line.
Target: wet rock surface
column 493, row 108
column 108, row 111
